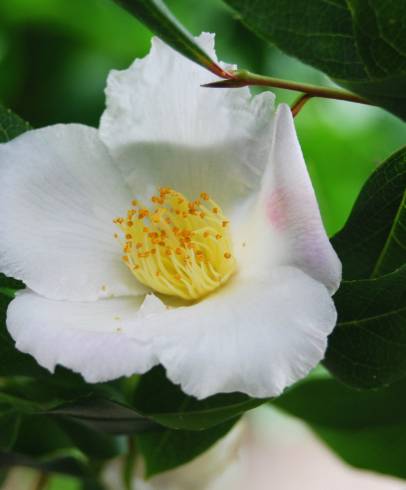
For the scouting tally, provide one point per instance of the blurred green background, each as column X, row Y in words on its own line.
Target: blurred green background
column 55, row 56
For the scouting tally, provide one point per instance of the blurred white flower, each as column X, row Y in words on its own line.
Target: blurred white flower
column 225, row 279
column 200, row 474
column 265, row 450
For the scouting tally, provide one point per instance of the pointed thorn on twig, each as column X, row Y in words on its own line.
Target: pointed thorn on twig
column 226, row 84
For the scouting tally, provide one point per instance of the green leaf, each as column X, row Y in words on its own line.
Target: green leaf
column 67, row 432
column 377, row 449
column 105, row 415
column 162, row 401
column 156, row 16
column 368, row 346
column 83, row 404
column 62, row 445
column 9, row 426
column 49, row 390
column 166, row 449
column 366, row 428
column 42, row 444
column 11, row 125
column 358, row 43
column 18, row 404
column 328, row 403
column 96, row 407
column 373, row 241
column 8, row 285
column 93, row 443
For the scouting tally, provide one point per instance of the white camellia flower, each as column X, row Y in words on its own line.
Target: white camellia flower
column 185, row 231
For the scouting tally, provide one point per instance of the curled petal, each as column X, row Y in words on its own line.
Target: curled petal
column 164, row 129
column 286, row 227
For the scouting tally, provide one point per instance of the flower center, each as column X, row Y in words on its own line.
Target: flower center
column 178, row 247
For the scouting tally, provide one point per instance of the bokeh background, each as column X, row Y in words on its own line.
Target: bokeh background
column 55, row 56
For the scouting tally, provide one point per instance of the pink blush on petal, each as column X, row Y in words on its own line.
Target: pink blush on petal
column 275, row 209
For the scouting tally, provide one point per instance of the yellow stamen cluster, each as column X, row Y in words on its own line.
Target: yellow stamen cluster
column 177, row 247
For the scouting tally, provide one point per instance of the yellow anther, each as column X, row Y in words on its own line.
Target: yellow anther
column 177, row 255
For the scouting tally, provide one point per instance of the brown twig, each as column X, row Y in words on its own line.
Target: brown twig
column 299, row 103
column 243, row 78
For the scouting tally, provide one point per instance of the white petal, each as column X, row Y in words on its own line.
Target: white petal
column 95, row 339
column 253, row 336
column 256, row 337
column 286, row 227
column 59, row 194
column 164, row 129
